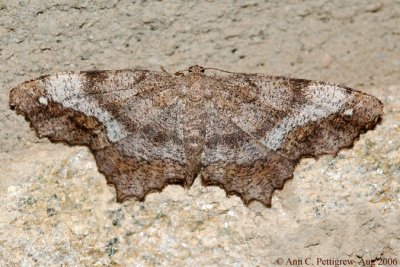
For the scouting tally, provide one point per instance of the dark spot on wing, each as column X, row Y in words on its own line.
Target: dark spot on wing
column 94, row 78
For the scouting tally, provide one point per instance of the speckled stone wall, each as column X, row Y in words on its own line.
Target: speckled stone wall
column 55, row 207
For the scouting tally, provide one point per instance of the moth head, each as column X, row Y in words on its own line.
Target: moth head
column 196, row 69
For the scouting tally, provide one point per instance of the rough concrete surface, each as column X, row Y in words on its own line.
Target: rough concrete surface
column 56, row 209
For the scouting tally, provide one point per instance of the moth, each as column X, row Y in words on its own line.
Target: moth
column 242, row 132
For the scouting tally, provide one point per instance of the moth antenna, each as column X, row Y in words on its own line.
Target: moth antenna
column 164, row 70
column 221, row 70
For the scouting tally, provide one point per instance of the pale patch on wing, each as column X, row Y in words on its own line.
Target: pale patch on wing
column 65, row 88
column 43, row 101
column 324, row 99
column 348, row 112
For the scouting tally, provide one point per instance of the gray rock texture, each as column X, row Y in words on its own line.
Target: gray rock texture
column 56, row 208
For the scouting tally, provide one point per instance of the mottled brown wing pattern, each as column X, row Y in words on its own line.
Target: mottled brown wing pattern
column 243, row 132
column 273, row 122
column 237, row 162
column 129, row 119
column 298, row 117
